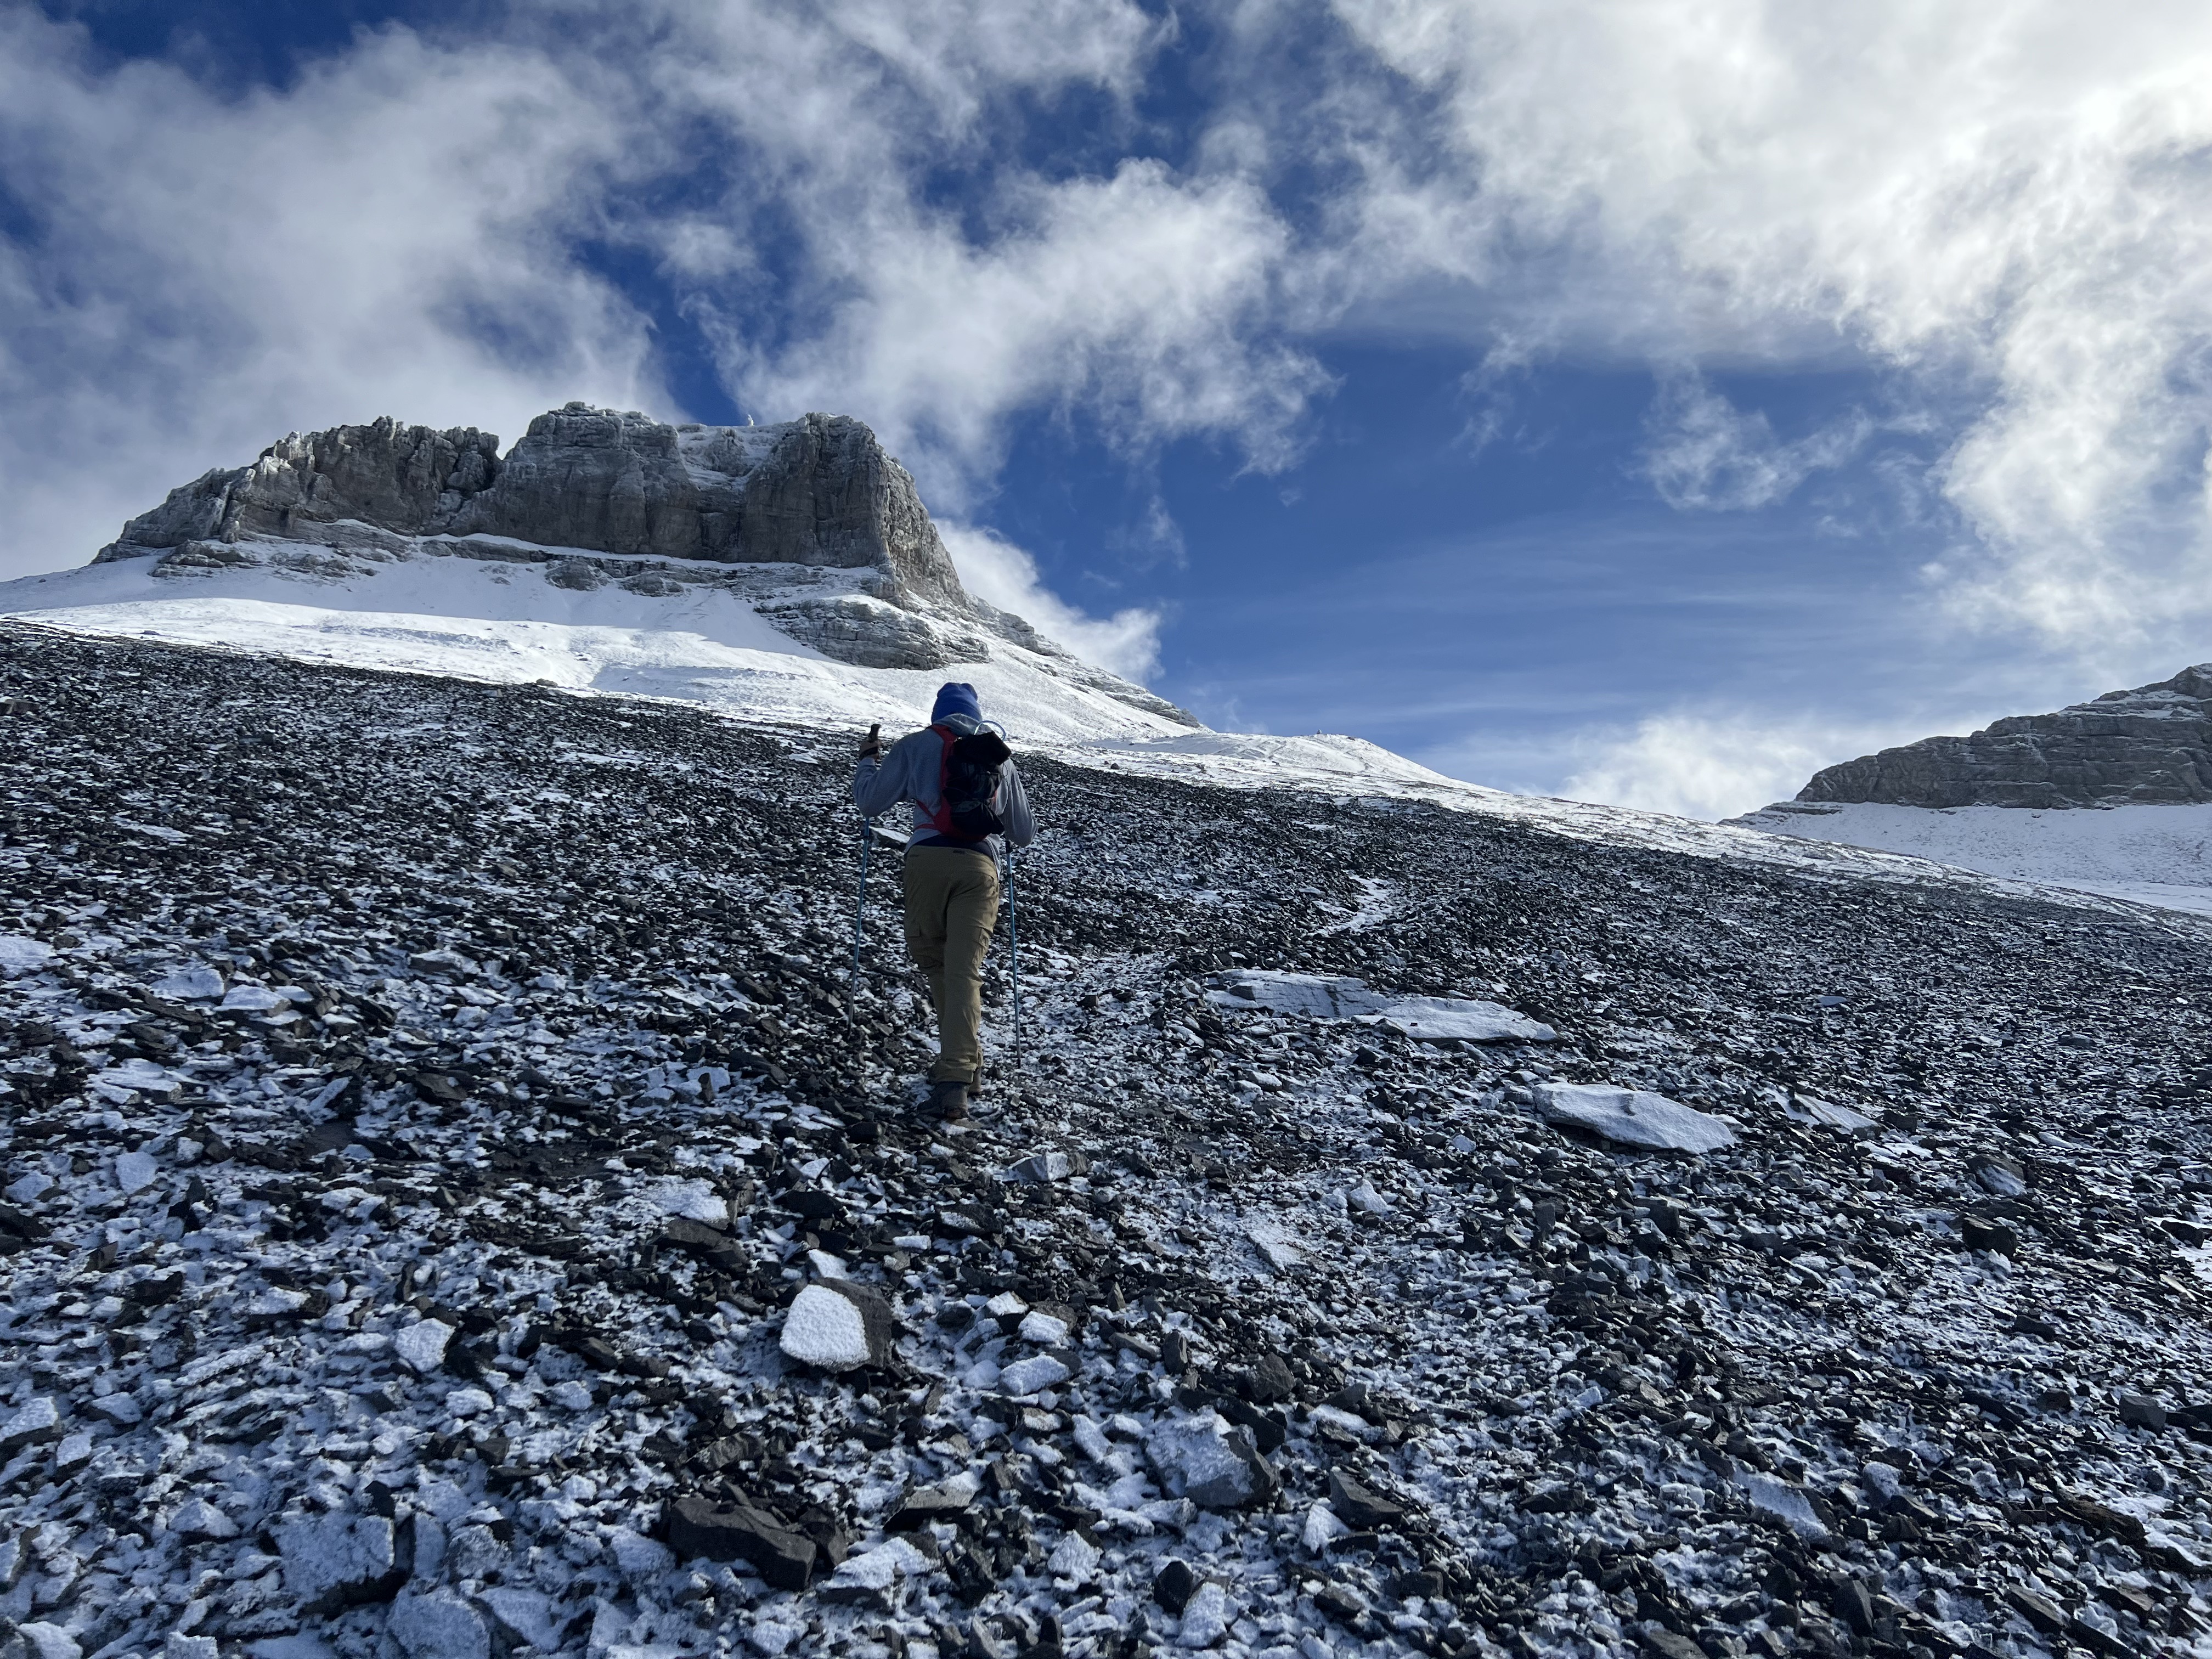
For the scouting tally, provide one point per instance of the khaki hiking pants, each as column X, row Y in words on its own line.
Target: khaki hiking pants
column 951, row 905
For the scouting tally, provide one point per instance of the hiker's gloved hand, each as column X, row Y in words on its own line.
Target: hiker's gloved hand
column 872, row 746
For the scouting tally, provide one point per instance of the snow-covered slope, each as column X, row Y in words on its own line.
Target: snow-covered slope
column 2159, row 855
column 690, row 631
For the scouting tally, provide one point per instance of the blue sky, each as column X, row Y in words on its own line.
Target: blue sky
column 1650, row 401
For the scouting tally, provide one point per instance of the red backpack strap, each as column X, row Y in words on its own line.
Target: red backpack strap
column 941, row 819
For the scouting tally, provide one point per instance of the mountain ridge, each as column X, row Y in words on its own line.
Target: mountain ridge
column 2148, row 745
column 810, row 524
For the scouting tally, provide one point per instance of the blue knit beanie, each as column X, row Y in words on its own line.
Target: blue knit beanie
column 956, row 698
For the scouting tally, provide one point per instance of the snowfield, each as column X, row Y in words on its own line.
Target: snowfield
column 456, row 1204
column 508, row 625
column 2158, row 855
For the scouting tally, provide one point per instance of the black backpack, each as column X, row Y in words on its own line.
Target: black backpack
column 967, row 783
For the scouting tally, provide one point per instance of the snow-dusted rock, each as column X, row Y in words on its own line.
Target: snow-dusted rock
column 438, row 1625
column 1780, row 1498
column 30, row 1187
column 35, row 1421
column 198, row 1518
column 43, row 1640
column 1202, row 1458
column 136, row 1172
column 1810, row 1108
column 838, row 1326
column 1033, row 1375
column 333, row 1561
column 1431, row 1019
column 1633, row 1117
column 20, row 954
column 1046, row 1330
column 252, row 1000
column 528, row 1614
column 1205, row 1617
column 195, row 984
column 694, row 1200
column 119, row 1408
column 422, row 1346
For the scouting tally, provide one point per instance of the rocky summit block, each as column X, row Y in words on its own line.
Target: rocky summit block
column 2152, row 744
column 819, row 490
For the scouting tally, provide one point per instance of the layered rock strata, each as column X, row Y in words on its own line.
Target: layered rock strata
column 819, row 490
column 2152, row 745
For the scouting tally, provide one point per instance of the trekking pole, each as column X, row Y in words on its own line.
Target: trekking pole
column 859, row 909
column 1014, row 950
column 860, row 904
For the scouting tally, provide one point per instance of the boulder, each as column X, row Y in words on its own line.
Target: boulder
column 1214, row 1466
column 783, row 1558
column 838, row 1326
column 336, row 1561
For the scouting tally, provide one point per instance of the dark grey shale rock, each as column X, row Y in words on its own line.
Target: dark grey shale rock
column 2152, row 744
column 1713, row 1387
column 738, row 1532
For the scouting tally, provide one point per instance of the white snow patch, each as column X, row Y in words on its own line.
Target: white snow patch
column 136, row 1172
column 2150, row 854
column 23, row 955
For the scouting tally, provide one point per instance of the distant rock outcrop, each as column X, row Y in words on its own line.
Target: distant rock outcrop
column 810, row 521
column 2152, row 745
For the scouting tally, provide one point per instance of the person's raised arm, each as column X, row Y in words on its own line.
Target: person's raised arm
column 877, row 778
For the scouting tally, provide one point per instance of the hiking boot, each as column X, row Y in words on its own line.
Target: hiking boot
column 949, row 1100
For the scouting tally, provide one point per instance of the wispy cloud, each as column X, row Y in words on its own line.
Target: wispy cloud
column 1701, row 451
column 1709, row 766
column 998, row 573
column 2003, row 203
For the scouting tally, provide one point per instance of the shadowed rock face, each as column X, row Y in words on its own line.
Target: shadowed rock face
column 815, row 491
column 2151, row 745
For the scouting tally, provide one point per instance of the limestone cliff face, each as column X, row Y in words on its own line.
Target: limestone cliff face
column 2150, row 745
column 817, row 491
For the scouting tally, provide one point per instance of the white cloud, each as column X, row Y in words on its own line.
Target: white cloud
column 1701, row 451
column 2004, row 201
column 1709, row 766
column 998, row 573
column 405, row 231
column 205, row 274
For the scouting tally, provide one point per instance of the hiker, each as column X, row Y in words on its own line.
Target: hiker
column 968, row 805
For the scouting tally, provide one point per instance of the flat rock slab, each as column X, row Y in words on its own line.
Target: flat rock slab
column 1431, row 1019
column 334, row 1561
column 1633, row 1117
